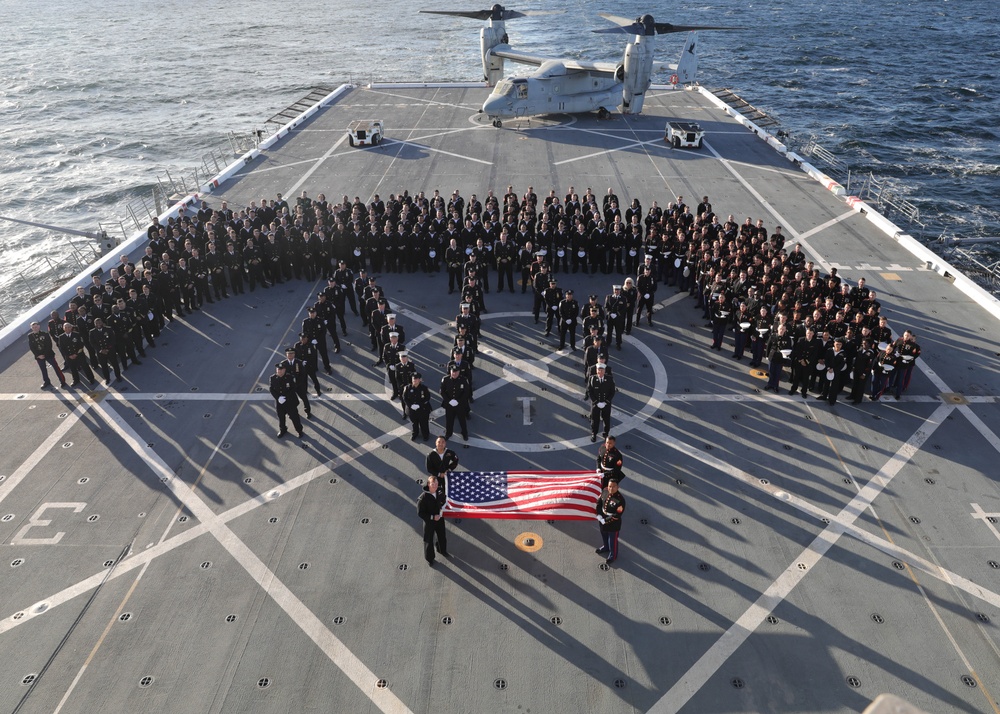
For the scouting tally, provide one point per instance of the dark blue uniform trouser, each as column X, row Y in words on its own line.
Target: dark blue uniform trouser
column 774, row 367
column 51, row 359
column 610, row 539
column 902, row 379
column 432, row 528
column 718, row 334
column 741, row 342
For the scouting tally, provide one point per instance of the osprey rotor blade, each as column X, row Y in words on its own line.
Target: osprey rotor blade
column 646, row 26
column 471, row 14
column 497, row 12
column 663, row 28
column 617, row 19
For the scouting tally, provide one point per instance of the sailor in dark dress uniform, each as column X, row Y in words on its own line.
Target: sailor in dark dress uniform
column 861, row 371
column 601, row 390
column 102, row 339
column 616, row 305
column 299, row 373
column 429, row 507
column 315, row 332
column 40, row 344
column 308, row 356
column 779, row 349
column 455, row 393
column 569, row 311
column 551, row 297
column 836, row 370
column 286, row 401
column 416, row 398
column 71, row 346
column 441, row 460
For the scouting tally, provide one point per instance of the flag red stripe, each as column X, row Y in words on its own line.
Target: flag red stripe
column 535, row 495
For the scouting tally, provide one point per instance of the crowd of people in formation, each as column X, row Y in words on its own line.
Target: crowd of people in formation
column 771, row 301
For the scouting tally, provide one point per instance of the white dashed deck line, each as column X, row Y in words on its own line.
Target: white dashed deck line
column 716, row 656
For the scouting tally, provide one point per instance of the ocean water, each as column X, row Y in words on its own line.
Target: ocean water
column 97, row 100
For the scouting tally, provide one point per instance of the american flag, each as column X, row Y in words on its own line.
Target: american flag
column 562, row 495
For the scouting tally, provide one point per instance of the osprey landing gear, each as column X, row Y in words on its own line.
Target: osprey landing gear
column 603, row 113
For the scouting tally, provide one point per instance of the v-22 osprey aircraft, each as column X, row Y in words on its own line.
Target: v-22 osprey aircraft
column 562, row 85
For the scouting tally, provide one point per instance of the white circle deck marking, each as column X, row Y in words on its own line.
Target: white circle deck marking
column 536, row 370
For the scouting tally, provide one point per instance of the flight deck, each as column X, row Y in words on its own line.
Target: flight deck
column 165, row 552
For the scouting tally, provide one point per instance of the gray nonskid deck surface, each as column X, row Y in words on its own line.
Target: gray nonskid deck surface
column 167, row 553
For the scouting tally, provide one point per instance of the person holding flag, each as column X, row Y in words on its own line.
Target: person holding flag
column 610, row 508
column 441, row 460
column 429, row 507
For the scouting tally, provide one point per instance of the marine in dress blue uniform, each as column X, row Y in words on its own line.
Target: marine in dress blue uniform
column 610, row 509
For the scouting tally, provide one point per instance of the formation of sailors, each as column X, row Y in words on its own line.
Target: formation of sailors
column 829, row 335
column 773, row 303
